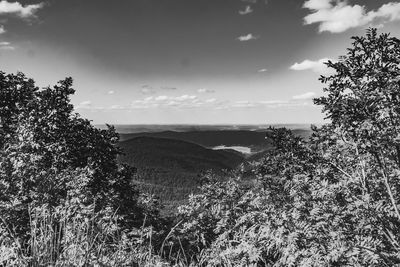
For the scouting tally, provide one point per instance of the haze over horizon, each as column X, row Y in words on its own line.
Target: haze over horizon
column 187, row 61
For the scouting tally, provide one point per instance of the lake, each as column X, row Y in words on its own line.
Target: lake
column 241, row 149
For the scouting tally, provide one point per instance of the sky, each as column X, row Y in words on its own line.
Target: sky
column 187, row 61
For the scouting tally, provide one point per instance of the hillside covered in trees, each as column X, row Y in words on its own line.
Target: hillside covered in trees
column 171, row 169
column 329, row 200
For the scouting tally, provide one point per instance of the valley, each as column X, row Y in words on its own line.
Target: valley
column 170, row 164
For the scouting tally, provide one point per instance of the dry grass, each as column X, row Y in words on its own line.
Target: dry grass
column 61, row 238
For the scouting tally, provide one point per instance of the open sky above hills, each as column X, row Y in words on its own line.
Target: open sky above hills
column 187, row 61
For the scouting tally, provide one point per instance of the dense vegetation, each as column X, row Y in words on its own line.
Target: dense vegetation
column 172, row 169
column 331, row 200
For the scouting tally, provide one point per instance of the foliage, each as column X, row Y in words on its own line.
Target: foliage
column 329, row 201
column 74, row 234
column 64, row 198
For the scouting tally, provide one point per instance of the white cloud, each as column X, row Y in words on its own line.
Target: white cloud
column 338, row 16
column 305, row 96
column 191, row 101
column 147, row 90
column 247, row 37
column 111, row 92
column 262, row 70
column 204, row 90
column 2, row 30
column 183, row 101
column 293, row 103
column 6, row 46
column 317, row 66
column 168, row 88
column 317, row 4
column 117, row 107
column 18, row 9
column 246, row 11
column 87, row 104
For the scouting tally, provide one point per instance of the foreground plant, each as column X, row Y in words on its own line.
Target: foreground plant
column 330, row 201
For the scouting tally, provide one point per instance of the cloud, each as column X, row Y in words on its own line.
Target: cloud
column 337, row 16
column 248, row 37
column 204, row 90
column 111, row 92
column 163, row 101
column 147, row 90
column 2, row 30
column 168, row 88
column 316, row 66
column 166, row 101
column 87, row 104
column 6, row 46
column 246, row 11
column 293, row 103
column 305, row 96
column 18, row 9
column 262, row 70
column 179, row 102
column 194, row 102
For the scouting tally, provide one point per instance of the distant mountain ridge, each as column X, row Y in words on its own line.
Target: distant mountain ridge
column 255, row 140
column 160, row 151
column 141, row 128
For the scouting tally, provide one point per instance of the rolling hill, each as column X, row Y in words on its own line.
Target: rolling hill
column 253, row 139
column 171, row 168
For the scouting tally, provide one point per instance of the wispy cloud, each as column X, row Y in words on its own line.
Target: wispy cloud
column 247, row 37
column 111, row 92
column 6, row 46
column 162, row 101
column 205, row 90
column 246, row 11
column 262, row 70
column 211, row 100
column 16, row 8
column 337, row 16
column 168, row 88
column 147, row 90
column 194, row 102
column 317, row 66
column 305, row 96
column 87, row 104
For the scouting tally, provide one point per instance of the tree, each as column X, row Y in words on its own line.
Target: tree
column 42, row 142
column 362, row 103
column 332, row 200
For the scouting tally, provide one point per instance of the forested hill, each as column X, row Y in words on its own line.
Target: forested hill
column 253, row 139
column 171, row 168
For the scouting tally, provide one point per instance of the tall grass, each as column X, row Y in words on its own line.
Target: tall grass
column 60, row 237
